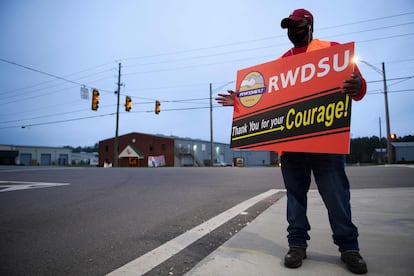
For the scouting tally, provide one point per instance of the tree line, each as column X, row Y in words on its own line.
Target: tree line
column 94, row 148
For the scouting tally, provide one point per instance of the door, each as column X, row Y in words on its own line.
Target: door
column 45, row 159
column 26, row 159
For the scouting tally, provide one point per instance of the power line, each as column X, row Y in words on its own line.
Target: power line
column 385, row 37
column 41, row 72
column 250, row 49
column 367, row 20
column 373, row 29
column 264, row 38
column 193, row 66
column 45, row 73
column 208, row 64
column 103, row 115
column 14, row 95
column 176, row 86
column 238, row 60
column 206, row 56
column 391, row 92
column 253, row 49
column 161, row 70
column 164, row 110
column 192, row 100
column 220, row 46
column 43, row 116
column 58, row 121
column 49, row 81
column 149, row 111
column 400, row 61
column 90, row 117
column 203, row 56
column 392, row 79
column 48, row 115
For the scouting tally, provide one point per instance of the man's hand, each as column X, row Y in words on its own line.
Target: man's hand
column 226, row 99
column 352, row 85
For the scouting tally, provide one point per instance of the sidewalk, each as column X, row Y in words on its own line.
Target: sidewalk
column 385, row 218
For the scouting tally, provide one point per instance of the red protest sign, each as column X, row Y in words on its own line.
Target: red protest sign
column 295, row 103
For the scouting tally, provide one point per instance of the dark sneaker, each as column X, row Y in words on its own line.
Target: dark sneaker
column 294, row 257
column 354, row 262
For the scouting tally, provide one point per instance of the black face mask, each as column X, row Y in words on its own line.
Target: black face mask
column 296, row 34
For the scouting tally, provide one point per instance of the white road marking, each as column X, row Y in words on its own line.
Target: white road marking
column 36, row 168
column 8, row 186
column 398, row 165
column 160, row 254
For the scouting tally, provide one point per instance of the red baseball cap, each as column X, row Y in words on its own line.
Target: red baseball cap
column 297, row 15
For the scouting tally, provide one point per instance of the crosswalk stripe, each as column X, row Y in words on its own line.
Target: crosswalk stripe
column 8, row 186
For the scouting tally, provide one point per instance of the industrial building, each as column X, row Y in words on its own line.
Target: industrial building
column 34, row 155
column 44, row 156
column 403, row 152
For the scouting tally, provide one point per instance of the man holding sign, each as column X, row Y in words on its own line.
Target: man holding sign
column 302, row 109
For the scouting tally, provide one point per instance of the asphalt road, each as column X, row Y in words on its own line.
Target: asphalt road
column 105, row 218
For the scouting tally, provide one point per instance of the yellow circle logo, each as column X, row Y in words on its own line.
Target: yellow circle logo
column 252, row 88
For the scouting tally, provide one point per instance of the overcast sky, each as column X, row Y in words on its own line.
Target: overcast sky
column 171, row 51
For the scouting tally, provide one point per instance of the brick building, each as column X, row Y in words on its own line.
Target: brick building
column 134, row 149
column 142, row 150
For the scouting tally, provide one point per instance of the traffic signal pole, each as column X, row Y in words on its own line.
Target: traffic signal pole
column 118, row 92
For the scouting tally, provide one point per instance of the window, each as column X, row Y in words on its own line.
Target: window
column 151, row 147
column 163, row 147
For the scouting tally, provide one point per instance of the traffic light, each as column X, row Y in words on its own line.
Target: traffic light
column 157, row 107
column 393, row 136
column 95, row 99
column 128, row 103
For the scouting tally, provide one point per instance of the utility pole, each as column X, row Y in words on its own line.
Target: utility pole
column 211, row 124
column 380, row 142
column 387, row 117
column 118, row 92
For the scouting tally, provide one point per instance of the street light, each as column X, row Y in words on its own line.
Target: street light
column 387, row 116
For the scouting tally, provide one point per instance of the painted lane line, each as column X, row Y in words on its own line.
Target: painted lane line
column 160, row 254
column 8, row 186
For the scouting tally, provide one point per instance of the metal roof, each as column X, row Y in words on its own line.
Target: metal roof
column 403, row 144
